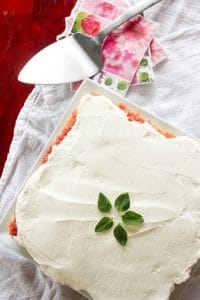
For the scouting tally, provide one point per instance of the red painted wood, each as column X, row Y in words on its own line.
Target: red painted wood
column 26, row 26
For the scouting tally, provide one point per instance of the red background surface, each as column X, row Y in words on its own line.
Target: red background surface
column 26, row 26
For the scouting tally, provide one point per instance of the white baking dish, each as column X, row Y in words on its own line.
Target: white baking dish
column 86, row 87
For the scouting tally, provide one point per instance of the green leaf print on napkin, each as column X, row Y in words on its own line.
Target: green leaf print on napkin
column 77, row 23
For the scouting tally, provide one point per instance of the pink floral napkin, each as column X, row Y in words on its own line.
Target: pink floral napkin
column 130, row 52
column 123, row 51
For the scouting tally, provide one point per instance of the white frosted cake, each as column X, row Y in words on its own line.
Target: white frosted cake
column 104, row 153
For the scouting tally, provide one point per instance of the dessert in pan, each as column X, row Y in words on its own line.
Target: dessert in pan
column 114, row 207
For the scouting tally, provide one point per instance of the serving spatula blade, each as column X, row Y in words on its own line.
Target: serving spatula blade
column 63, row 61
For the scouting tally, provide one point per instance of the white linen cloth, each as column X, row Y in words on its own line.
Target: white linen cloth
column 175, row 96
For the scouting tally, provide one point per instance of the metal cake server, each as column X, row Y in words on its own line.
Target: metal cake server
column 76, row 57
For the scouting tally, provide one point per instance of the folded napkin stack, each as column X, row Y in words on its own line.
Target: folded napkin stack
column 130, row 52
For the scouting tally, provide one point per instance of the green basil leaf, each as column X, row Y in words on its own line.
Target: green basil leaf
column 104, row 224
column 104, row 204
column 122, row 203
column 120, row 234
column 132, row 218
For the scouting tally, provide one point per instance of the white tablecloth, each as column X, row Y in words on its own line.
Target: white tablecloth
column 175, row 96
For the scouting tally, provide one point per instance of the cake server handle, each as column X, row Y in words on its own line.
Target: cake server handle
column 131, row 12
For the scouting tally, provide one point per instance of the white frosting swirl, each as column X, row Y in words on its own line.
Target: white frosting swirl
column 57, row 209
